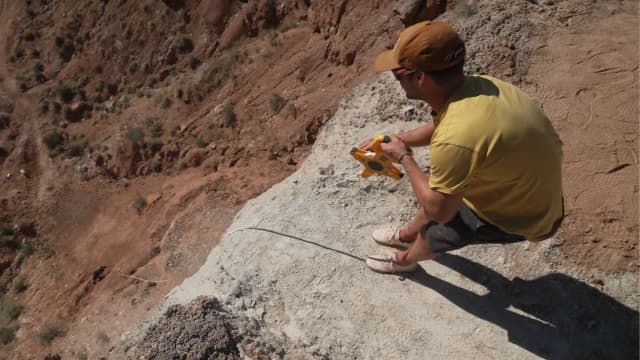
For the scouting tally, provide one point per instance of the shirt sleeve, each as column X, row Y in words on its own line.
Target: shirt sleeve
column 452, row 167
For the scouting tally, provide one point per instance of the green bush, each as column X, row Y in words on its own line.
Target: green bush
column 155, row 166
column 193, row 62
column 6, row 229
column 100, row 85
column 50, row 332
column 18, row 52
column 229, row 115
column 28, row 248
column 183, row 44
column 9, row 242
column 136, row 136
column 38, row 67
column 5, row 121
column 20, row 284
column 7, row 334
column 76, row 148
column 155, row 129
column 10, row 309
column 139, row 203
column 28, row 35
column 277, row 103
column 201, row 143
column 66, row 51
column 155, row 145
column 66, row 92
column 54, row 140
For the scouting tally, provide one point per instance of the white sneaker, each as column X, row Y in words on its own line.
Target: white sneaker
column 390, row 237
column 387, row 264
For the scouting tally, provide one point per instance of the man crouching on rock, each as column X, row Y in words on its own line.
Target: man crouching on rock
column 495, row 158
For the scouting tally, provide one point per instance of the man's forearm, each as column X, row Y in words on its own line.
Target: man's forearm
column 417, row 137
column 429, row 199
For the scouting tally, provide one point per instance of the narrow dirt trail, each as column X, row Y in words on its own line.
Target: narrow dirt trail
column 32, row 157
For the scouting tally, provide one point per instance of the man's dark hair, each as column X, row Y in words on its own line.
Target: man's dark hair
column 443, row 76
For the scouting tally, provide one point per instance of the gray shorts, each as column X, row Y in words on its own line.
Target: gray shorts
column 466, row 228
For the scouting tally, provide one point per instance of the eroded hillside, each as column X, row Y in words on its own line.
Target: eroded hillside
column 131, row 132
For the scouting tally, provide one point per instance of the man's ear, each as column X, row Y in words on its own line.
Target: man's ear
column 422, row 78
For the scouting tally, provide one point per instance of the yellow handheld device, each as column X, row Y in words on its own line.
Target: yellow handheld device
column 375, row 161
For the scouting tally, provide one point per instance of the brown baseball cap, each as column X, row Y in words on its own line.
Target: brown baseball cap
column 425, row 46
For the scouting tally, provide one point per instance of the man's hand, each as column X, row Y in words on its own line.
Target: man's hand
column 395, row 148
column 365, row 144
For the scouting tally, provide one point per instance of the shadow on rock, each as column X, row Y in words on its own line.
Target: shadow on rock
column 567, row 319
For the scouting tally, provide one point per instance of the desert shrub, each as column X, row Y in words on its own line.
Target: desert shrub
column 28, row 35
column 7, row 334
column 102, row 337
column 28, row 248
column 66, row 112
column 54, row 140
column 133, row 67
column 277, row 102
column 66, row 92
column 162, row 100
column 139, row 203
column 35, row 53
column 58, row 41
column 183, row 44
column 18, row 52
column 112, row 88
column 155, row 166
column 5, row 121
column 40, row 77
column 133, row 88
column 136, row 136
column 200, row 142
column 229, row 115
column 10, row 309
column 100, row 85
column 155, row 129
column 20, row 284
column 82, row 354
column 43, row 107
column 6, row 229
column 56, row 107
column 76, row 148
column 38, row 67
column 9, row 242
column 66, row 51
column 290, row 111
column 155, row 145
column 286, row 26
column 49, row 332
column 27, row 228
column 193, row 62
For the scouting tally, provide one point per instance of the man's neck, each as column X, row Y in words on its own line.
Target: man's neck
column 441, row 98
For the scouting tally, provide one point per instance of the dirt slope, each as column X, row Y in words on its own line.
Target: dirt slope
column 171, row 114
column 567, row 297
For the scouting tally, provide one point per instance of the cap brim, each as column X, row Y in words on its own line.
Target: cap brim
column 385, row 61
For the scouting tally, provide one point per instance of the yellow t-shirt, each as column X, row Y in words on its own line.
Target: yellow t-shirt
column 494, row 144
